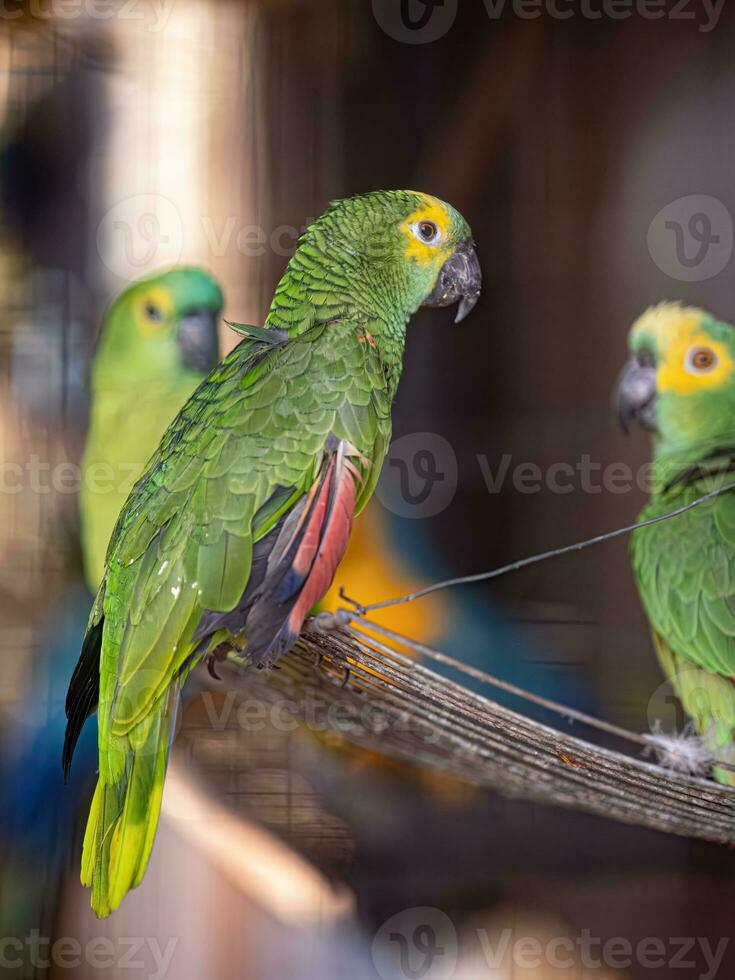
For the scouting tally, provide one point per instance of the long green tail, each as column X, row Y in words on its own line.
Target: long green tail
column 124, row 814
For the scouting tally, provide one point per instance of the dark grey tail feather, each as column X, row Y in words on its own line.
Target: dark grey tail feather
column 84, row 691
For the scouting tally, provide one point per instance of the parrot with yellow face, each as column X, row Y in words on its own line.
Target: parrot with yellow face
column 679, row 384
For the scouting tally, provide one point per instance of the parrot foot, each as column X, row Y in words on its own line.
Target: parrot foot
column 323, row 622
column 220, row 653
column 228, row 651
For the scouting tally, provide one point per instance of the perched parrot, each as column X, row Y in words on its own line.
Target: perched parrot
column 235, row 530
column 680, row 384
column 158, row 340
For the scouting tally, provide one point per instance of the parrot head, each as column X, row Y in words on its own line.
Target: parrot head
column 402, row 248
column 162, row 328
column 679, row 382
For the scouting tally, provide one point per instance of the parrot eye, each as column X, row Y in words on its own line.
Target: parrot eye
column 153, row 312
column 700, row 359
column 426, row 231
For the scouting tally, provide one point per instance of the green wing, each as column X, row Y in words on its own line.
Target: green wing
column 685, row 569
column 247, row 445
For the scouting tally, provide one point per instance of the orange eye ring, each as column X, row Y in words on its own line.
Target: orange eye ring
column 700, row 360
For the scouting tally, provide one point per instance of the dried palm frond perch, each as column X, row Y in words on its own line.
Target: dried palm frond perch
column 348, row 682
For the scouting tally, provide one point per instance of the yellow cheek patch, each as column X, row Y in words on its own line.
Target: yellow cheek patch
column 674, row 374
column 421, row 252
column 156, row 296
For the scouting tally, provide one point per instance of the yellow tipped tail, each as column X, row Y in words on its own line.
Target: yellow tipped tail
column 124, row 815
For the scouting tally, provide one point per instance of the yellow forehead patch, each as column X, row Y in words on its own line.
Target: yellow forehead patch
column 667, row 322
column 430, row 209
column 159, row 297
column 676, row 331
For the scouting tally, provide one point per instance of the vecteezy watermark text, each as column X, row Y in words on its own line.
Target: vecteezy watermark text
column 420, row 476
column 423, row 944
column 284, row 715
column 153, row 13
column 706, row 13
column 145, row 230
column 424, row 21
column 139, row 953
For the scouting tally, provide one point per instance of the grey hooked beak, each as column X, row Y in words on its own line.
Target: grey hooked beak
column 198, row 341
column 459, row 280
column 636, row 395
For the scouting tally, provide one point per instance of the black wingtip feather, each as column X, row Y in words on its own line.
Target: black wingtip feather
column 83, row 693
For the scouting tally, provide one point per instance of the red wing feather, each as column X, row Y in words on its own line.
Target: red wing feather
column 306, row 565
column 335, row 535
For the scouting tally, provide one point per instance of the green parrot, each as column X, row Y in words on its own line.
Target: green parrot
column 236, row 528
column 680, row 384
column 158, row 341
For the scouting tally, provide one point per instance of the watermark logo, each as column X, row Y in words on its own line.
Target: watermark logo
column 665, row 710
column 691, row 239
column 423, row 21
column 416, row 944
column 142, row 231
column 688, row 693
column 419, row 477
column 415, row 21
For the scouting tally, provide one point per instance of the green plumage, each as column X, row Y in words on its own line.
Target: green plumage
column 184, row 541
column 141, row 376
column 685, row 567
column 246, row 454
column 685, row 570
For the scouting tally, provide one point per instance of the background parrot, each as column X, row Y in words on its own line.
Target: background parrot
column 680, row 384
column 158, row 339
column 235, row 530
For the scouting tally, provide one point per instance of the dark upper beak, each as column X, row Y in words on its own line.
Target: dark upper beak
column 198, row 341
column 459, row 280
column 636, row 395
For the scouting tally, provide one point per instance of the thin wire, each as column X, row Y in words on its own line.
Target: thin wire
column 485, row 678
column 506, row 686
column 534, row 559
